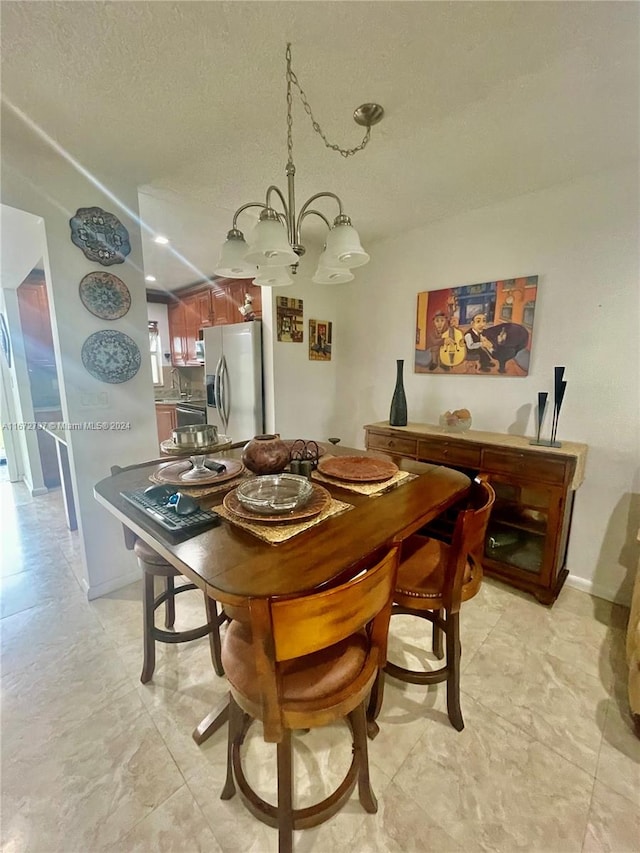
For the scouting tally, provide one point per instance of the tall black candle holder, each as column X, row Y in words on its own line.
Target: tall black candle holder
column 559, row 388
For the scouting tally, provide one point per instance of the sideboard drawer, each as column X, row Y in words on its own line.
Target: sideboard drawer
column 525, row 465
column 449, row 453
column 391, row 443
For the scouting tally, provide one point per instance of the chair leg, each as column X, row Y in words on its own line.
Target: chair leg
column 453, row 665
column 149, row 644
column 359, row 728
column 285, row 794
column 375, row 704
column 170, row 604
column 213, row 619
column 234, row 730
column 436, row 644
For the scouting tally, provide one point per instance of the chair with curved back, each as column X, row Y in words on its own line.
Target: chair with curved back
column 154, row 565
column 434, row 578
column 302, row 663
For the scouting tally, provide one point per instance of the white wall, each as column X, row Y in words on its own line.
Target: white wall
column 45, row 184
column 304, row 391
column 582, row 240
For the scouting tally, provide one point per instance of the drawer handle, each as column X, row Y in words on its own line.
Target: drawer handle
column 391, row 443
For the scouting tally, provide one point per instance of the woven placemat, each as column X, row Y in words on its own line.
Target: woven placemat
column 209, row 488
column 276, row 533
column 367, row 488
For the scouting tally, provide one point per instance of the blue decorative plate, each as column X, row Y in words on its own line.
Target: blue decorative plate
column 100, row 235
column 111, row 356
column 105, row 295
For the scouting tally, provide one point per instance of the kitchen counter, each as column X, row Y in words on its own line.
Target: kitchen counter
column 169, row 401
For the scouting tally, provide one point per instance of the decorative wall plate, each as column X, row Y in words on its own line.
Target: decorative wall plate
column 5, row 342
column 100, row 235
column 111, row 356
column 105, row 295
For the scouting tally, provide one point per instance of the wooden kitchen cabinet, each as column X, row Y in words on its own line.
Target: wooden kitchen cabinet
column 528, row 531
column 192, row 329
column 256, row 296
column 177, row 333
column 186, row 316
column 204, row 308
column 223, row 306
column 166, row 418
column 197, row 308
column 35, row 320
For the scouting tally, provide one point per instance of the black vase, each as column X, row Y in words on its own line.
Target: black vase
column 398, row 413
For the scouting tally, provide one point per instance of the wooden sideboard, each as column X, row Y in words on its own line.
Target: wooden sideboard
column 528, row 532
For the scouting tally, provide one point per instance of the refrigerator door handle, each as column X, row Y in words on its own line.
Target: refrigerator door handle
column 216, row 387
column 224, row 393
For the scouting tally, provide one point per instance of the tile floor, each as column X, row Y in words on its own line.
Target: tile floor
column 92, row 760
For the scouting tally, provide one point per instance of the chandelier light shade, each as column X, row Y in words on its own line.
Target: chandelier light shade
column 326, row 275
column 270, row 246
column 343, row 247
column 232, row 262
column 273, row 277
column 276, row 242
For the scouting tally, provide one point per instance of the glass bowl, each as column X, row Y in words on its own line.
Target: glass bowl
column 457, row 425
column 274, row 493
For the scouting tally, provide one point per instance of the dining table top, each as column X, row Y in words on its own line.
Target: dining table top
column 232, row 565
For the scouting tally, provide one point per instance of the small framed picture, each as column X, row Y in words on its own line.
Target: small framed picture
column 320, row 340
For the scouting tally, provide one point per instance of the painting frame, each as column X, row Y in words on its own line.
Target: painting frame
column 483, row 329
column 289, row 320
column 320, row 340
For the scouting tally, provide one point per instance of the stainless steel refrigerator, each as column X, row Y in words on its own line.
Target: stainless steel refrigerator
column 233, row 376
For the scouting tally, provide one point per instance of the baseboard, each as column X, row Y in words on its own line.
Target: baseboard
column 111, row 585
column 40, row 491
column 595, row 589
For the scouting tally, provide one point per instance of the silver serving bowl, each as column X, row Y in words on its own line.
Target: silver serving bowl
column 274, row 493
column 195, row 436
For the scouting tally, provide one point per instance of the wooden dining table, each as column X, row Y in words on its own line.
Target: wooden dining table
column 233, row 566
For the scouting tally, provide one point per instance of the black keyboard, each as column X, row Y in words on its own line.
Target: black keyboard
column 167, row 517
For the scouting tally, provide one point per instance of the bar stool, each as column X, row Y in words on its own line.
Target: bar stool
column 153, row 565
column 434, row 579
column 302, row 663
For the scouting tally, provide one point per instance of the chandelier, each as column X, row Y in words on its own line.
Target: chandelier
column 275, row 246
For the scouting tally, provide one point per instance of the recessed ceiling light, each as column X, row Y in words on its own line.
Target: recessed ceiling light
column 149, row 278
column 160, row 239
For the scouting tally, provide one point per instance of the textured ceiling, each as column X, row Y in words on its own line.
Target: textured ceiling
column 483, row 101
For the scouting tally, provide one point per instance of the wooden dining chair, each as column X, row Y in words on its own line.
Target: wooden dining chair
column 299, row 664
column 434, row 578
column 154, row 565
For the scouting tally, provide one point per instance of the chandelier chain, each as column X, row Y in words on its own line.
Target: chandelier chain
column 293, row 80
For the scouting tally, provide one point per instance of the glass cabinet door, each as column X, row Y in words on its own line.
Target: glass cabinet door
column 518, row 529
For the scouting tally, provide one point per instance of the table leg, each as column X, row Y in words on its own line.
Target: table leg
column 212, row 722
